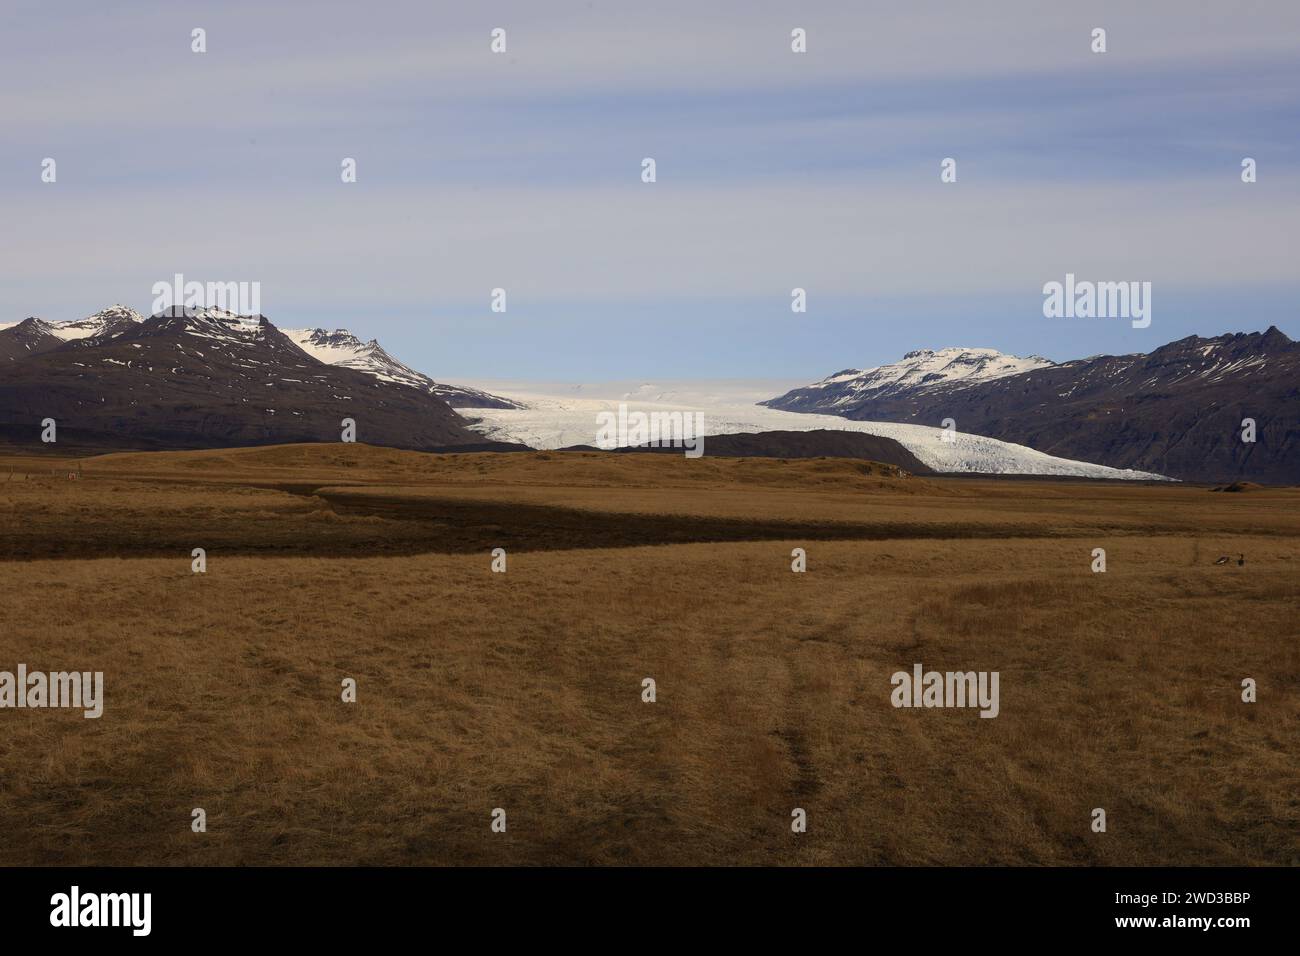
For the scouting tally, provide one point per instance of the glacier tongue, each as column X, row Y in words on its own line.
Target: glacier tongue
column 554, row 419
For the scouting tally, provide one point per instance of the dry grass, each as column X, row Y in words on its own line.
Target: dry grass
column 479, row 690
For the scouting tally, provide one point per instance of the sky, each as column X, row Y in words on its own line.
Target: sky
column 774, row 171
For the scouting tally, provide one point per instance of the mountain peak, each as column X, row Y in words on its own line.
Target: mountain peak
column 117, row 311
column 103, row 325
column 1273, row 341
column 951, row 367
column 218, row 325
column 1274, row 338
column 342, row 348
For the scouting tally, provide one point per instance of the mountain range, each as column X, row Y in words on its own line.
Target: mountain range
column 206, row 377
column 19, row 340
column 1176, row 411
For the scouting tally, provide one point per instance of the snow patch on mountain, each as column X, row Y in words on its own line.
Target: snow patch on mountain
column 921, row 369
column 106, row 322
column 111, row 321
column 342, row 348
column 221, row 325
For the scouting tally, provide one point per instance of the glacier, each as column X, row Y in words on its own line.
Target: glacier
column 559, row 416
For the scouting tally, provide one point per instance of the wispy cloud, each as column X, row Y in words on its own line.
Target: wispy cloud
column 775, row 170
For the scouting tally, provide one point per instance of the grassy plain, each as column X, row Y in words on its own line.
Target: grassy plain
column 522, row 690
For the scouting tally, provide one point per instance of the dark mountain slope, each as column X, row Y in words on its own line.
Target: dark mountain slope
column 1177, row 411
column 31, row 336
column 207, row 379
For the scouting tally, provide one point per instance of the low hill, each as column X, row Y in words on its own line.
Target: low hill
column 820, row 443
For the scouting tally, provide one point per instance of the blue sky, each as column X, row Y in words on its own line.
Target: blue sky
column 775, row 170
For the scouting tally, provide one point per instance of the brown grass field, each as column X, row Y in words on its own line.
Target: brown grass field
column 522, row 690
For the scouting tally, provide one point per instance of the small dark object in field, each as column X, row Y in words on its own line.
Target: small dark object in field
column 1227, row 558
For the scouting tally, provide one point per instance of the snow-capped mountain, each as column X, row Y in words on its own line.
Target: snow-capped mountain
column 922, row 370
column 204, row 378
column 340, row 347
column 1179, row 410
column 33, row 336
column 105, row 323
